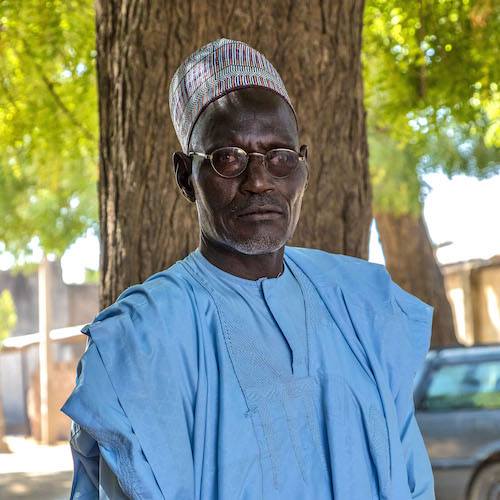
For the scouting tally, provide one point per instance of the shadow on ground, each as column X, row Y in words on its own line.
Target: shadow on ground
column 30, row 485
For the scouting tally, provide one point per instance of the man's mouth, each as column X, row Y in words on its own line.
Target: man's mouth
column 260, row 213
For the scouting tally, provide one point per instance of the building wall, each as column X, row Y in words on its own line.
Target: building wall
column 473, row 290
column 457, row 285
column 72, row 305
column 83, row 303
column 18, row 372
column 11, row 390
column 64, row 369
column 487, row 303
column 24, row 290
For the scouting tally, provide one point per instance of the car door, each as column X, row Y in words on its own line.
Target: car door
column 458, row 413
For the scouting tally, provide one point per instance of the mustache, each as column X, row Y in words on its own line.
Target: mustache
column 257, row 201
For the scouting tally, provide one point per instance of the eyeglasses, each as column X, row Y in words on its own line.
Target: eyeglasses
column 232, row 161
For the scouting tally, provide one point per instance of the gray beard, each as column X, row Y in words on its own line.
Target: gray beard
column 260, row 246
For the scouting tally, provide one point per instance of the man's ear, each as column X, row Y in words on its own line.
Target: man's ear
column 183, row 175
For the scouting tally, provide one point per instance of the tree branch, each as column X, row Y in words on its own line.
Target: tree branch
column 422, row 77
column 57, row 98
column 66, row 111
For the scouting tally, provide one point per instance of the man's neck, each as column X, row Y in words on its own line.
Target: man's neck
column 247, row 266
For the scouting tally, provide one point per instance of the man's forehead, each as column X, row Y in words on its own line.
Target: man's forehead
column 253, row 116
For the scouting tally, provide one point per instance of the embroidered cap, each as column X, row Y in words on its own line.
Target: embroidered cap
column 211, row 72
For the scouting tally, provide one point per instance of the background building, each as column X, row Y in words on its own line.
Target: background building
column 473, row 289
column 73, row 306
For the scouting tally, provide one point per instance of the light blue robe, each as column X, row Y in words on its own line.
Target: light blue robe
column 192, row 389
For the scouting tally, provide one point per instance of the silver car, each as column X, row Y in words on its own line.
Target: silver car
column 457, row 406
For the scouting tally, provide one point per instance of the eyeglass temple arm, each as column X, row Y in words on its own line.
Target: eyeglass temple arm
column 301, row 157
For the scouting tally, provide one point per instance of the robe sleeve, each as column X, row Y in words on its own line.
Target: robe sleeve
column 102, row 431
column 417, row 316
column 133, row 405
column 85, row 452
column 109, row 486
column 86, row 465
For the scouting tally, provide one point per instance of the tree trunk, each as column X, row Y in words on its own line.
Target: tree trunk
column 145, row 223
column 410, row 260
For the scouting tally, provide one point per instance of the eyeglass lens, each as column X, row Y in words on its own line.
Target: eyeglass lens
column 231, row 161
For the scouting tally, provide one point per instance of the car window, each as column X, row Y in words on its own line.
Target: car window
column 464, row 385
column 421, row 370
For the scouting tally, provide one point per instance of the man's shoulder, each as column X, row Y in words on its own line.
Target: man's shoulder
column 167, row 290
column 320, row 258
column 329, row 269
column 404, row 322
column 159, row 312
column 358, row 278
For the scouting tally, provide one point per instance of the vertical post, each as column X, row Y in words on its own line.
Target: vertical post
column 47, row 423
column 25, row 382
column 468, row 288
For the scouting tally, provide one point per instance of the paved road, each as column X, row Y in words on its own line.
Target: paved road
column 25, row 485
column 35, row 472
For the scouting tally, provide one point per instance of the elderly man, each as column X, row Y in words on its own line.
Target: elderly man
column 250, row 370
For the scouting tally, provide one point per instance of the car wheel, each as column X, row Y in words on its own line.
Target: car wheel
column 486, row 485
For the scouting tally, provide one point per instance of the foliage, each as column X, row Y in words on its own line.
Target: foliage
column 48, row 124
column 432, row 92
column 92, row 276
column 8, row 316
column 431, row 74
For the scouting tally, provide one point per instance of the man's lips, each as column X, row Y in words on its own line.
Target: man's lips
column 261, row 211
column 254, row 214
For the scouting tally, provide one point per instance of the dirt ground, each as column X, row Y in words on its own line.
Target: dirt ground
column 37, row 472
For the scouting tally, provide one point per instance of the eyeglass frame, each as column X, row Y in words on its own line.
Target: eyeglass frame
column 302, row 157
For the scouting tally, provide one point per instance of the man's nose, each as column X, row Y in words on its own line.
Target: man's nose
column 256, row 178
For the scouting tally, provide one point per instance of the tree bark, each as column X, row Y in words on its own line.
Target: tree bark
column 145, row 223
column 410, row 260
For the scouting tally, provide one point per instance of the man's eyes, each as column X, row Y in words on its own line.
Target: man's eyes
column 228, row 158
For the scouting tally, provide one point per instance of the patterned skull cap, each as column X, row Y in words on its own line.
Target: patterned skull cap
column 213, row 71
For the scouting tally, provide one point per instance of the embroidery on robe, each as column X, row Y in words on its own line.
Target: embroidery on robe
column 263, row 384
column 111, row 439
column 378, row 440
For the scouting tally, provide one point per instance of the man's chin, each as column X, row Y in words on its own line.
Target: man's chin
column 259, row 246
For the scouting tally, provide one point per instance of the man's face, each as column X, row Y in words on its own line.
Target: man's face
column 253, row 213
